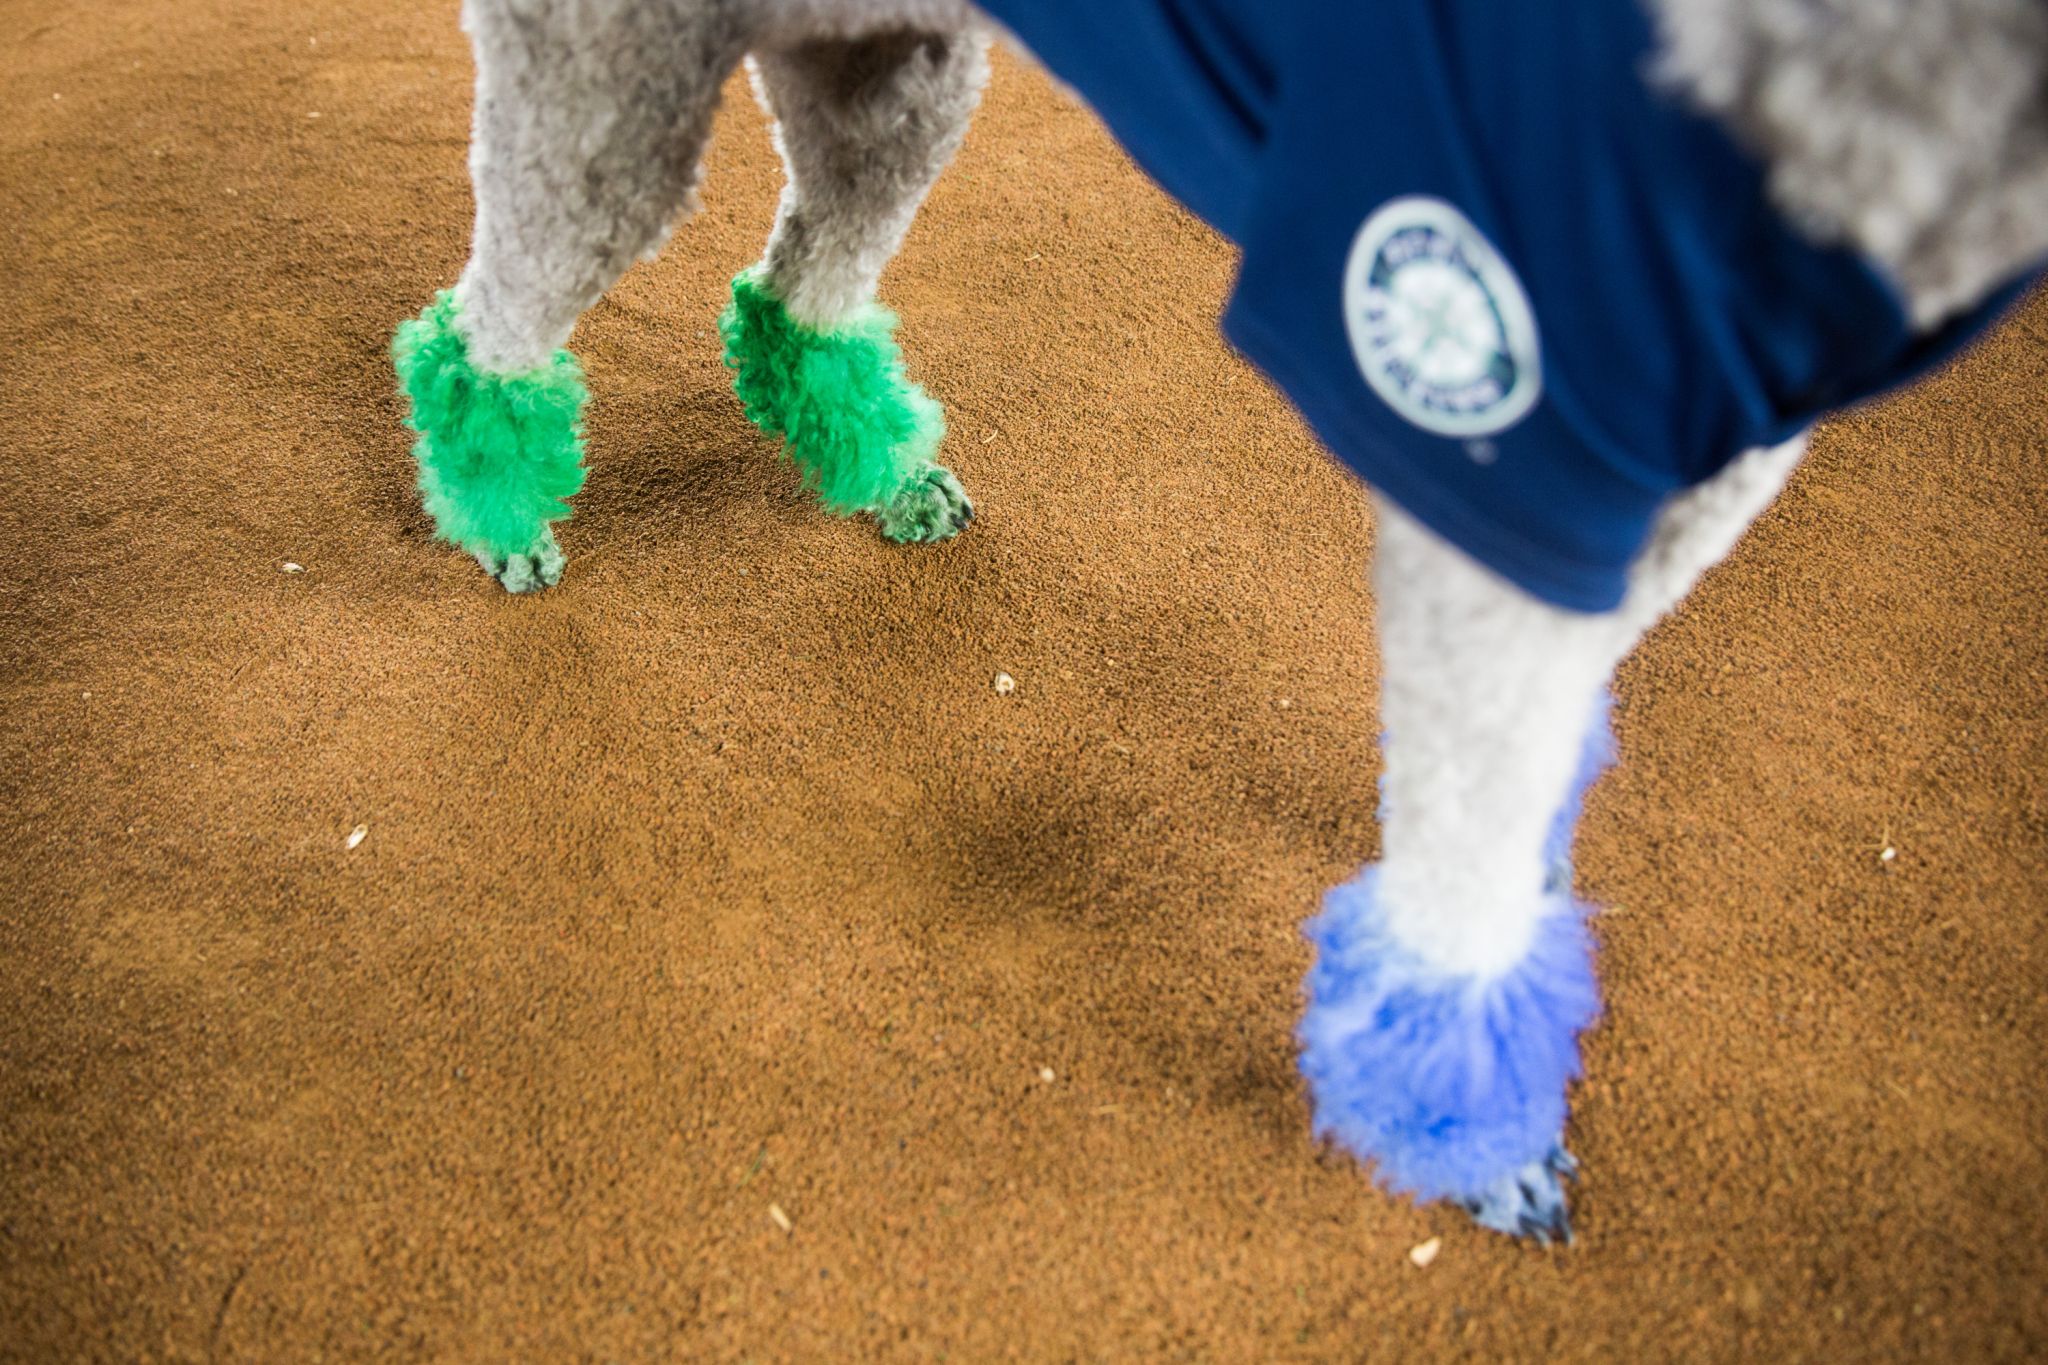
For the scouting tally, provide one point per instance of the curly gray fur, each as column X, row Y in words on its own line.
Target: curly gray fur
column 864, row 126
column 1915, row 130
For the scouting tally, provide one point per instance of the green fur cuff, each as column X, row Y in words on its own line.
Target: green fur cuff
column 854, row 425
column 498, row 453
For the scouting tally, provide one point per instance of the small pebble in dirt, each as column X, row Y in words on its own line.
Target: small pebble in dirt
column 357, row 835
column 1005, row 684
column 1424, row 1252
column 290, row 567
column 779, row 1218
column 1045, row 1073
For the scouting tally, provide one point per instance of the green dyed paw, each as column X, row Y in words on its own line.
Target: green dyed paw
column 932, row 506
column 528, row 570
column 856, row 427
column 499, row 455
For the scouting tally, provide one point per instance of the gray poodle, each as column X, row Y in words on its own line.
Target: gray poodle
column 1566, row 282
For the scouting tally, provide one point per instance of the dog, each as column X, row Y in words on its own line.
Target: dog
column 1567, row 282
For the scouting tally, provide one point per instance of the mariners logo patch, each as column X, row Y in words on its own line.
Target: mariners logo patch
column 1438, row 322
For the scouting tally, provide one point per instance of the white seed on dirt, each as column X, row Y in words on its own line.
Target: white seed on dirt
column 290, row 567
column 1888, row 854
column 1425, row 1252
column 779, row 1218
column 1045, row 1073
column 1005, row 684
column 357, row 835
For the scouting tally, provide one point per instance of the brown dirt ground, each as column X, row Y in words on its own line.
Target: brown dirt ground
column 720, row 878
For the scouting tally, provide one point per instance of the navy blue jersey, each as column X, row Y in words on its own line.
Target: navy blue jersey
column 1509, row 280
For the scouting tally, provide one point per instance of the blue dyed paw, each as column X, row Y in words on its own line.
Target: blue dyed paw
column 1445, row 1082
column 1531, row 1202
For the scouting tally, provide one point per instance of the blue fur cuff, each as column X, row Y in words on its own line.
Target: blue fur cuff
column 1446, row 1084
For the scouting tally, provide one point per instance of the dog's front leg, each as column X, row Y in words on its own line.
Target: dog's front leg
column 1453, row 979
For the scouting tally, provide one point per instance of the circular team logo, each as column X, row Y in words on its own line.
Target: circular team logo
column 1438, row 322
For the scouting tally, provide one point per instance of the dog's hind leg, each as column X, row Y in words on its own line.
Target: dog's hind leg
column 590, row 123
column 1453, row 978
column 864, row 125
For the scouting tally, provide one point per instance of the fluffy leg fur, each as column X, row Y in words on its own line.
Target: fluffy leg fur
column 864, row 125
column 590, row 122
column 1452, row 979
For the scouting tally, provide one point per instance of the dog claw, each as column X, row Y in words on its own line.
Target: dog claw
column 528, row 571
column 932, row 506
column 1531, row 1202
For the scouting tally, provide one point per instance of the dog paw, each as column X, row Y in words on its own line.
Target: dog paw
column 932, row 506
column 529, row 570
column 1531, row 1202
